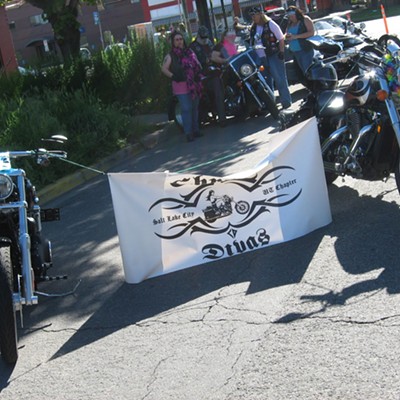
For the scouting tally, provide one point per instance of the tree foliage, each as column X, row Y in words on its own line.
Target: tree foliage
column 62, row 15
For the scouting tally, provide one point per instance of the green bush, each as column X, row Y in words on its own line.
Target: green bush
column 93, row 130
column 92, row 102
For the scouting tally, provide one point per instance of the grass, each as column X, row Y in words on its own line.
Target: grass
column 365, row 14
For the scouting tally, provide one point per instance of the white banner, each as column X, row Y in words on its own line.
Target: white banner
column 167, row 222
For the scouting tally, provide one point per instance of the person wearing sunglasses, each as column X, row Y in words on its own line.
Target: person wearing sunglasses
column 184, row 69
column 268, row 38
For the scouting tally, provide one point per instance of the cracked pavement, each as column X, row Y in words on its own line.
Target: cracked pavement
column 314, row 318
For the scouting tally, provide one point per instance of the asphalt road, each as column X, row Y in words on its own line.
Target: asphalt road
column 314, row 318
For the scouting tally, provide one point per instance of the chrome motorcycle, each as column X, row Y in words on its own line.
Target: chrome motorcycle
column 359, row 126
column 25, row 255
column 246, row 87
column 246, row 91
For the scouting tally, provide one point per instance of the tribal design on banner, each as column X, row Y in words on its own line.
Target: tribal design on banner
column 277, row 187
column 167, row 222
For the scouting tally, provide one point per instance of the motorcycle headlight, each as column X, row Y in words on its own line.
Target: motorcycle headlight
column 246, row 69
column 6, row 186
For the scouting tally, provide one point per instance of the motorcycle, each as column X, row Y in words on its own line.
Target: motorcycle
column 222, row 207
column 25, row 255
column 359, row 126
column 246, row 91
column 327, row 48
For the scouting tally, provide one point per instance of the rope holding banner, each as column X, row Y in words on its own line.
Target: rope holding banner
column 384, row 18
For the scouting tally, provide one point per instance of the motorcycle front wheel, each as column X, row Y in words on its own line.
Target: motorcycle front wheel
column 267, row 99
column 8, row 325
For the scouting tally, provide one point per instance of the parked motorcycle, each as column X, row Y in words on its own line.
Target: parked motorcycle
column 327, row 48
column 246, row 91
column 25, row 255
column 359, row 126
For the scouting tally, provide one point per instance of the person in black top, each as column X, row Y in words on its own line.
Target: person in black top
column 203, row 48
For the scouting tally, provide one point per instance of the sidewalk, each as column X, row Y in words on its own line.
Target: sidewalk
column 163, row 127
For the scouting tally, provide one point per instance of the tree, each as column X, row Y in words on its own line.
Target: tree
column 62, row 15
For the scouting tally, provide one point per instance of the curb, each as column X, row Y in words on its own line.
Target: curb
column 83, row 175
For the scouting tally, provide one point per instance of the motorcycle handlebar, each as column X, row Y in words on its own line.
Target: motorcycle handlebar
column 37, row 153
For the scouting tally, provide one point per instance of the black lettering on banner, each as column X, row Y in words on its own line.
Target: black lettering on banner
column 216, row 251
column 197, row 180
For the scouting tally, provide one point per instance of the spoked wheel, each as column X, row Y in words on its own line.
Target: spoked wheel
column 8, row 325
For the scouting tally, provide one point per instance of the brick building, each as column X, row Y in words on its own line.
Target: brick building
column 8, row 61
column 34, row 39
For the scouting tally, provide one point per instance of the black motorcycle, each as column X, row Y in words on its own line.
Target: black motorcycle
column 222, row 207
column 359, row 126
column 246, row 91
column 25, row 255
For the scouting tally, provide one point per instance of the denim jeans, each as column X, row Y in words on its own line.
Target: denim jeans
column 304, row 59
column 190, row 113
column 276, row 75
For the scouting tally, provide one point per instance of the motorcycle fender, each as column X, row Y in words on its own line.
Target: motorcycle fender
column 251, row 90
column 264, row 83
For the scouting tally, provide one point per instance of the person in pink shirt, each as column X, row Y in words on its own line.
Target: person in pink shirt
column 227, row 46
column 184, row 69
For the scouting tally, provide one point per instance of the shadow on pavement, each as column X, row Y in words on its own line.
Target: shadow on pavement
column 374, row 222
column 131, row 304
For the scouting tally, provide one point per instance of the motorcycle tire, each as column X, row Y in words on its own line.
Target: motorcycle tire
column 267, row 99
column 382, row 42
column 397, row 174
column 8, row 324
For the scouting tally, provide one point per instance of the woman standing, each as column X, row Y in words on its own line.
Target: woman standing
column 300, row 27
column 267, row 34
column 184, row 69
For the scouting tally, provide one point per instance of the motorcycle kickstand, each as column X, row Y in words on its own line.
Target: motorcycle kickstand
column 60, row 294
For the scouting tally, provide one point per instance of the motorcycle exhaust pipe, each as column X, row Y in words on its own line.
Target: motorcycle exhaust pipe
column 332, row 138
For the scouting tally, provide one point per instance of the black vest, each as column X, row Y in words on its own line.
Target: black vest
column 268, row 39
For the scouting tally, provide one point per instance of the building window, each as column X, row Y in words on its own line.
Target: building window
column 38, row 20
column 12, row 25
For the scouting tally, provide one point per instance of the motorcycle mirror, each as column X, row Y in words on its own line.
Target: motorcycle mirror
column 393, row 48
column 56, row 138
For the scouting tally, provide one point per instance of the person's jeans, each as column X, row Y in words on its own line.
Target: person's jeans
column 304, row 59
column 190, row 113
column 276, row 76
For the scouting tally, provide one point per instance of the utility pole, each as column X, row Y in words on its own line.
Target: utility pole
column 186, row 18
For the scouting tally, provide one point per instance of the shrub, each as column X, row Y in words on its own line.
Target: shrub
column 93, row 130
